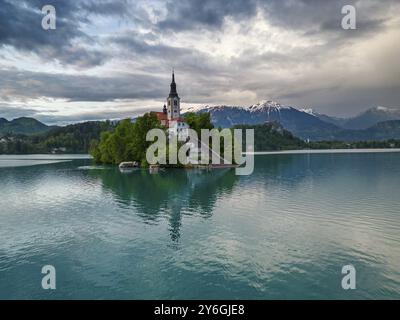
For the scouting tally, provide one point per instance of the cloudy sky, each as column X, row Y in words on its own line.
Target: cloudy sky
column 113, row 58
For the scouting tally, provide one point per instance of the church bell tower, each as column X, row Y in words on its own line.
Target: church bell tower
column 173, row 101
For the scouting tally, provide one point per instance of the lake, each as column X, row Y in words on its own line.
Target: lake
column 284, row 232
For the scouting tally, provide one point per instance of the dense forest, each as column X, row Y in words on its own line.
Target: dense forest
column 392, row 143
column 128, row 141
column 272, row 137
column 111, row 143
column 70, row 139
column 23, row 125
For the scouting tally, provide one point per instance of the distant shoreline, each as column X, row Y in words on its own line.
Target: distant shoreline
column 14, row 161
column 41, row 156
column 45, row 156
column 326, row 151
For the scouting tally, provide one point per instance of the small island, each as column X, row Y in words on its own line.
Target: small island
column 127, row 145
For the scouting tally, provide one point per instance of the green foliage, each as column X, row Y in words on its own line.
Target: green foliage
column 127, row 142
column 22, row 126
column 355, row 145
column 75, row 138
column 199, row 121
column 272, row 137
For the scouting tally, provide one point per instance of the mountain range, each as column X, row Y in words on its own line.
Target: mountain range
column 379, row 123
column 374, row 124
column 363, row 120
column 23, row 126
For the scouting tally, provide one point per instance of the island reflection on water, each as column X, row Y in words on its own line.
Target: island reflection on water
column 283, row 232
column 173, row 193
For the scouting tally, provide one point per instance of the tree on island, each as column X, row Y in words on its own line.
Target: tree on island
column 128, row 141
column 198, row 121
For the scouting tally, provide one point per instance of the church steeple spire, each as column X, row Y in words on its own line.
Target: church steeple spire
column 173, row 92
column 173, row 100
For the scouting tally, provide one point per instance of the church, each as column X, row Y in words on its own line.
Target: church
column 170, row 117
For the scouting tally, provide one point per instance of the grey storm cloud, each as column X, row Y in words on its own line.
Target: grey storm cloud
column 190, row 14
column 90, row 116
column 20, row 27
column 145, row 39
column 107, row 8
column 80, row 88
column 306, row 15
column 302, row 15
column 137, row 44
column 133, row 46
column 11, row 112
column 20, row 24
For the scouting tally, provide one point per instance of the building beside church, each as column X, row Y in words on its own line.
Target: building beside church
column 170, row 117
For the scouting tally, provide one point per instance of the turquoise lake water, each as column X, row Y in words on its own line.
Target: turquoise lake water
column 284, row 232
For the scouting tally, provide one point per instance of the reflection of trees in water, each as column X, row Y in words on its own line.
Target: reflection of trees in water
column 170, row 193
column 276, row 172
column 173, row 193
column 283, row 166
column 288, row 171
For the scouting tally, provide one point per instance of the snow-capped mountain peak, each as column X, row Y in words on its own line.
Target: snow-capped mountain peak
column 305, row 123
column 267, row 105
column 309, row 111
column 194, row 108
column 386, row 109
column 263, row 105
column 207, row 108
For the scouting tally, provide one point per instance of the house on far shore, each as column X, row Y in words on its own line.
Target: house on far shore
column 58, row 150
column 170, row 116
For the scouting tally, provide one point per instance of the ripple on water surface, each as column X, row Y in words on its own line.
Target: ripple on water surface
column 283, row 232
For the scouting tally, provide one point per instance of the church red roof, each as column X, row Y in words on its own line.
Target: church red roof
column 163, row 118
column 179, row 119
